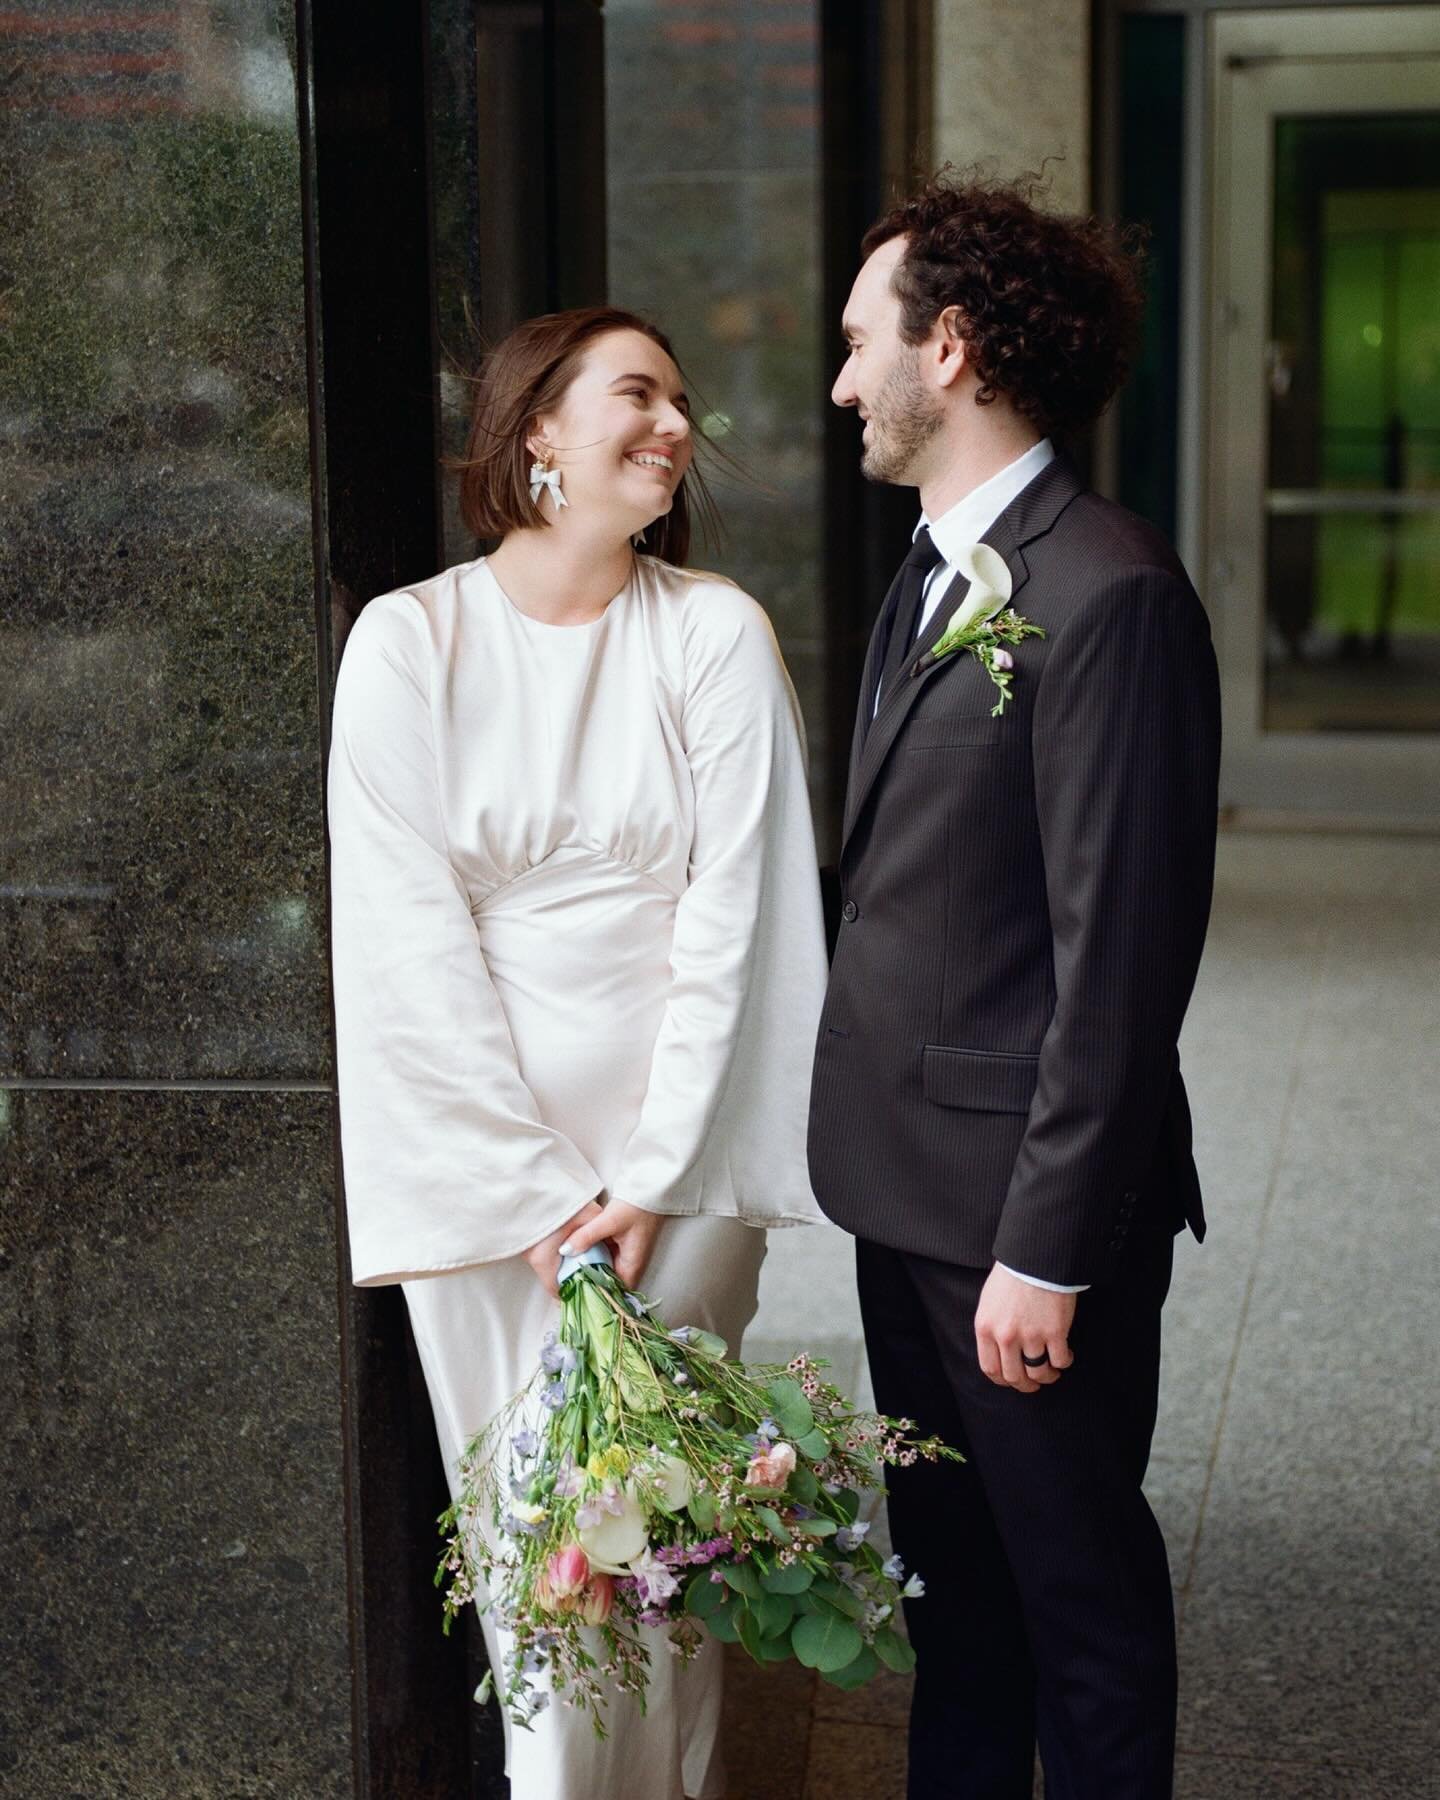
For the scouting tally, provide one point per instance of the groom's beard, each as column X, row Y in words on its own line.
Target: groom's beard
column 903, row 419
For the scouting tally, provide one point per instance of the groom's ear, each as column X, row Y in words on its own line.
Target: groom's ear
column 951, row 356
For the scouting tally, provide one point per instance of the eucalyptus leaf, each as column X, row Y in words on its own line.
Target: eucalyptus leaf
column 749, row 1629
column 815, row 1527
column 894, row 1651
column 792, row 1409
column 743, row 1577
column 701, row 1508
column 836, row 1594
column 821, row 1641
column 704, row 1596
column 814, row 1444
column 847, row 1502
column 774, row 1612
column 794, row 1578
column 855, row 1673
column 773, row 1523
column 802, row 1484
column 722, row 1625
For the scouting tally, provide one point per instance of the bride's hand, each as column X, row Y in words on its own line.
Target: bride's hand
column 544, row 1257
column 630, row 1229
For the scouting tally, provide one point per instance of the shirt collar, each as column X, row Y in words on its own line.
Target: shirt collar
column 967, row 521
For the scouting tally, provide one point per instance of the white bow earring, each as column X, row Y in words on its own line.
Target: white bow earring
column 542, row 476
column 639, row 539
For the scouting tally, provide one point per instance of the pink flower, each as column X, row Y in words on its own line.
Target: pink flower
column 593, row 1606
column 568, row 1570
column 771, row 1468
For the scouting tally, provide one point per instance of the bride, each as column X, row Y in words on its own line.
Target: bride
column 577, row 941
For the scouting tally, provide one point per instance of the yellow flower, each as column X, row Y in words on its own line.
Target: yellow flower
column 609, row 1464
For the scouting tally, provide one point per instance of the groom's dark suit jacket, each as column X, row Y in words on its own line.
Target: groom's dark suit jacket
column 1024, row 902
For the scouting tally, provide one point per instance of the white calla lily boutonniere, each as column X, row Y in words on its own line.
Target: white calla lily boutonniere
column 984, row 623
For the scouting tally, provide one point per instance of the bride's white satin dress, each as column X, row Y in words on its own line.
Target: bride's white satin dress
column 578, row 952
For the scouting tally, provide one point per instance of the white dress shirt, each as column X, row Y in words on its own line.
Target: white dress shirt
column 964, row 524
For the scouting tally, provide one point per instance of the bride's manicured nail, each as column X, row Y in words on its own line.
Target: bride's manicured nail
column 565, row 1250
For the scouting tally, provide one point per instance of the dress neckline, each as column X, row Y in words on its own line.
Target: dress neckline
column 546, row 624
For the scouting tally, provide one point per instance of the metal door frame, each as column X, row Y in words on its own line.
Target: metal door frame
column 1262, row 65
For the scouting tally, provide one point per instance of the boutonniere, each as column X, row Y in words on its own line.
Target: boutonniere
column 983, row 623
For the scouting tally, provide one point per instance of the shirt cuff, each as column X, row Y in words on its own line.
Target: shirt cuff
column 1051, row 1287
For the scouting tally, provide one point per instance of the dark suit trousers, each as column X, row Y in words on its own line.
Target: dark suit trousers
column 1047, row 1613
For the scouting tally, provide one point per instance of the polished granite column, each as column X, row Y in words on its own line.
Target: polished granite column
column 172, row 1497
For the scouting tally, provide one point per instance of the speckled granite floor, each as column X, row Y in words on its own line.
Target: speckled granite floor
column 1295, row 1466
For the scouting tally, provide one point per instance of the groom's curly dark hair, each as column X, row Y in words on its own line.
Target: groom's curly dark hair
column 1050, row 303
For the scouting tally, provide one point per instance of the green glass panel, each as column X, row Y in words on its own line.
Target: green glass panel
column 1353, row 638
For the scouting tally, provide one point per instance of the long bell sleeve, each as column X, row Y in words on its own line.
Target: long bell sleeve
column 722, row 1126
column 447, row 1161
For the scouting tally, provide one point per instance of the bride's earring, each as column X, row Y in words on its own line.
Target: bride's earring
column 542, row 476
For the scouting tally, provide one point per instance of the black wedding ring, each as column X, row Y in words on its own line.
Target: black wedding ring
column 1035, row 1362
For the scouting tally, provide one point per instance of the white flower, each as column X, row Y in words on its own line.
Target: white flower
column 615, row 1540
column 989, row 592
column 674, row 1483
column 528, row 1512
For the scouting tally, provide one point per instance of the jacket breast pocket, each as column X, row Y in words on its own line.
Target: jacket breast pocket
column 963, row 732
column 979, row 1080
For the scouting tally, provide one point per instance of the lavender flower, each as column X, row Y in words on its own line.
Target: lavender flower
column 913, row 1588
column 892, row 1568
column 552, row 1395
column 525, row 1443
column 657, row 1583
column 556, row 1358
column 849, row 1537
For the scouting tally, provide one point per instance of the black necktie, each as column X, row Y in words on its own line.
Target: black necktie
column 907, row 593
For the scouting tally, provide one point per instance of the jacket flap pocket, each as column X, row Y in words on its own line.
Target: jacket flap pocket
column 979, row 1080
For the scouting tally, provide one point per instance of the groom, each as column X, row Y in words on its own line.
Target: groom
column 997, row 1111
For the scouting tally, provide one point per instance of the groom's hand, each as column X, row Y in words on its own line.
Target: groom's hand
column 1016, row 1318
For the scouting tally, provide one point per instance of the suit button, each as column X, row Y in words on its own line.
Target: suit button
column 849, row 912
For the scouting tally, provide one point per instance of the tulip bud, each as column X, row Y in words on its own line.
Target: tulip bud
column 593, row 1606
column 567, row 1571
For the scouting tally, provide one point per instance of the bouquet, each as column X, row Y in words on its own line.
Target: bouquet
column 644, row 1480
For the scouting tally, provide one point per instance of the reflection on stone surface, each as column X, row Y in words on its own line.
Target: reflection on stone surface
column 713, row 179
column 161, row 908
column 171, row 1519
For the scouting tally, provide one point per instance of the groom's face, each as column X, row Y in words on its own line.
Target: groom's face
column 883, row 376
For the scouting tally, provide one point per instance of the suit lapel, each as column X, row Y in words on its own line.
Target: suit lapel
column 1033, row 512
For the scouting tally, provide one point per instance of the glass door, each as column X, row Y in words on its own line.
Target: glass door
column 1325, row 409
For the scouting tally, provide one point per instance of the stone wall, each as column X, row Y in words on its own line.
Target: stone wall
column 1012, row 87
column 171, row 1497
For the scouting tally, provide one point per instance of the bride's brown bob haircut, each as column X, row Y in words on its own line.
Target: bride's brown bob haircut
column 525, row 375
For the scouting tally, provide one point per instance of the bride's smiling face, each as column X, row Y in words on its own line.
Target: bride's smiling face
column 620, row 437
